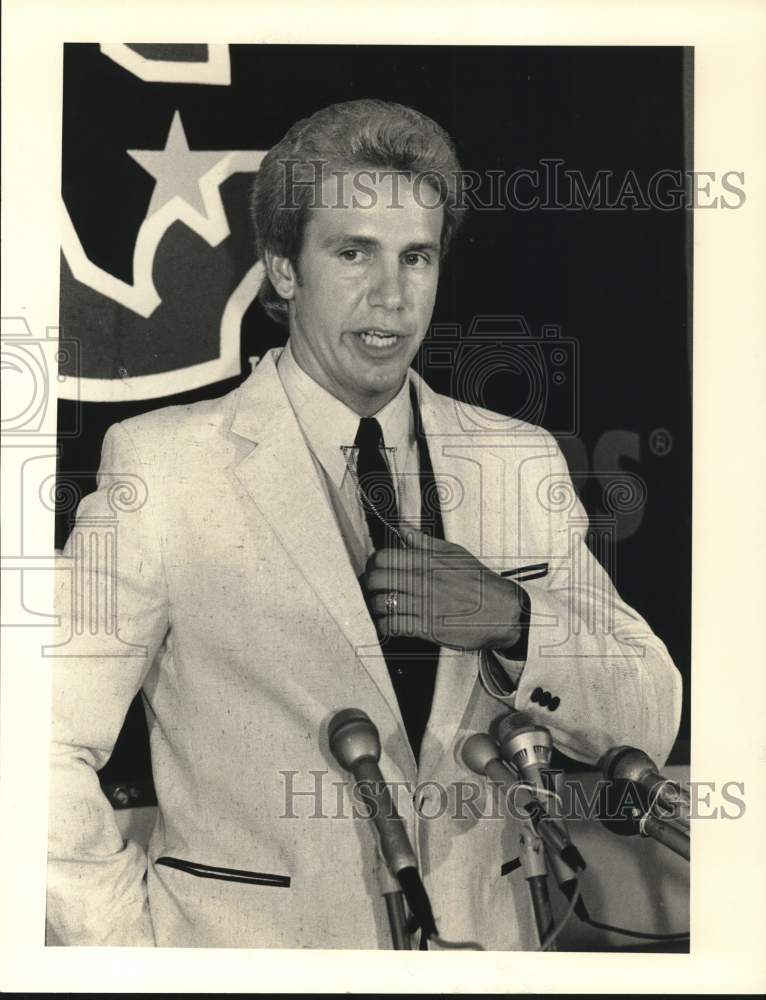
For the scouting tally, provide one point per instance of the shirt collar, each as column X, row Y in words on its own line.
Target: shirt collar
column 329, row 424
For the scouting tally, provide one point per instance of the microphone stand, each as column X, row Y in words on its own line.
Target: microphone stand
column 395, row 907
column 481, row 754
column 394, row 897
column 536, row 874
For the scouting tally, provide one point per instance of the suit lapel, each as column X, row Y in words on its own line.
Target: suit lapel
column 457, row 673
column 282, row 480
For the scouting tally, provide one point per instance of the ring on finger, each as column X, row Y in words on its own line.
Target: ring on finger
column 392, row 602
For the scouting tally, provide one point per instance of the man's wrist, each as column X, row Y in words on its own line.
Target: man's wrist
column 516, row 649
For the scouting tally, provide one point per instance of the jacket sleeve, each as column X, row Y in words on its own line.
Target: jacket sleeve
column 595, row 674
column 112, row 602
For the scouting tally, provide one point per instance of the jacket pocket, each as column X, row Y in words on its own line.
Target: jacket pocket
column 532, row 572
column 225, row 874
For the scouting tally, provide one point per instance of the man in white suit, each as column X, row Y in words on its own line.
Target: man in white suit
column 259, row 588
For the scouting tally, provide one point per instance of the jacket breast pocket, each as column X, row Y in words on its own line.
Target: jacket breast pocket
column 535, row 571
column 225, row 874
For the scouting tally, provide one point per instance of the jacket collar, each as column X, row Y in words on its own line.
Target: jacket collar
column 328, row 423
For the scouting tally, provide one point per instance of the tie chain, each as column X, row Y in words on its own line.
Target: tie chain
column 352, row 471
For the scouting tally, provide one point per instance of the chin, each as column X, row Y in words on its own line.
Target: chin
column 390, row 382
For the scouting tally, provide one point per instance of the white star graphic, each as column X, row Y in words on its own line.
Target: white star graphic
column 179, row 171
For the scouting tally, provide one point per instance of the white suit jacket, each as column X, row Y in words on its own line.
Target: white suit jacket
column 208, row 571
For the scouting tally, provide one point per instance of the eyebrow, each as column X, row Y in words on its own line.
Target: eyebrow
column 370, row 242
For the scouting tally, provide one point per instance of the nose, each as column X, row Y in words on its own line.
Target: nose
column 386, row 289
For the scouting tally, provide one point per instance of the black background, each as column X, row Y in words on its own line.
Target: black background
column 615, row 281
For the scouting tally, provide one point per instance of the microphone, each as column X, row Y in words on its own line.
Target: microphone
column 630, row 764
column 480, row 753
column 634, row 788
column 355, row 745
column 527, row 746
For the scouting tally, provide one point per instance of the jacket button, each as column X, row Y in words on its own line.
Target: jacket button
column 554, row 703
column 537, row 694
column 545, row 698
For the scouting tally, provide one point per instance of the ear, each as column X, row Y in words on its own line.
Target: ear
column 281, row 274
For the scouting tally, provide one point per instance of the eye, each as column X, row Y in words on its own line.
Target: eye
column 353, row 255
column 416, row 259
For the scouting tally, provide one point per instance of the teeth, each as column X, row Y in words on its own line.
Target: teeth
column 375, row 339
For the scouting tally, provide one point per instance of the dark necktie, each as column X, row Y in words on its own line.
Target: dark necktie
column 411, row 661
column 376, row 484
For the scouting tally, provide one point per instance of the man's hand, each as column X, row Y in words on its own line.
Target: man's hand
column 442, row 593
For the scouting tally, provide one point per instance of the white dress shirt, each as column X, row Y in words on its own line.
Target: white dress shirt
column 330, row 427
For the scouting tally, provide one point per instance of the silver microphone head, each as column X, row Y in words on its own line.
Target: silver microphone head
column 525, row 744
column 353, row 737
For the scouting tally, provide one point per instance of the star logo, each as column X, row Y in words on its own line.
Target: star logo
column 186, row 189
column 180, row 172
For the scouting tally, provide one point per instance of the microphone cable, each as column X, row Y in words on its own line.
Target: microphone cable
column 552, row 935
column 585, row 918
column 422, row 915
column 644, row 935
column 582, row 911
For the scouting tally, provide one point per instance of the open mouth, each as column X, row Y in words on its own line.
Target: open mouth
column 378, row 338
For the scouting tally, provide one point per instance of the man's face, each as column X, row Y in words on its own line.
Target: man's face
column 365, row 288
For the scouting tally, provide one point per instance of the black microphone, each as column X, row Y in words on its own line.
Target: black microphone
column 630, row 764
column 635, row 787
column 355, row 744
